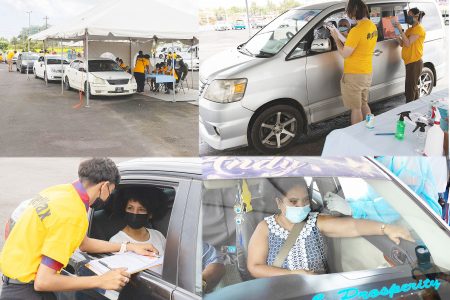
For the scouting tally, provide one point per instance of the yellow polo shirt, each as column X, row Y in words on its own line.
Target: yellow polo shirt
column 363, row 39
column 141, row 64
column 414, row 52
column 53, row 225
column 10, row 55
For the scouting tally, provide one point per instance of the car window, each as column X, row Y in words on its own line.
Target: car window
column 108, row 224
column 304, row 47
column 104, row 66
column 383, row 17
column 233, row 208
column 431, row 20
column 269, row 41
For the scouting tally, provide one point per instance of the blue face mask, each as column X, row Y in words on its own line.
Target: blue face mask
column 343, row 29
column 296, row 214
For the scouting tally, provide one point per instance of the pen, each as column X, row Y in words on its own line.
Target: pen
column 104, row 264
column 386, row 133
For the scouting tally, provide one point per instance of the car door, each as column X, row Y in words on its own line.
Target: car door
column 38, row 66
column 155, row 286
column 70, row 71
column 75, row 75
column 323, row 74
column 388, row 68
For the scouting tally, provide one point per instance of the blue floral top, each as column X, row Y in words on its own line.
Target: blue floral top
column 309, row 251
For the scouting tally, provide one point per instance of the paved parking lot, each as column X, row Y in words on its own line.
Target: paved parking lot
column 36, row 120
column 214, row 41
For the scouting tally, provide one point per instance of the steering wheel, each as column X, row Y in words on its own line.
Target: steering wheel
column 289, row 35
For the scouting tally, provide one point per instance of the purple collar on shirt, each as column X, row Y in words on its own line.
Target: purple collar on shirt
column 82, row 193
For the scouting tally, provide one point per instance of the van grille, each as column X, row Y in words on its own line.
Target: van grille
column 118, row 81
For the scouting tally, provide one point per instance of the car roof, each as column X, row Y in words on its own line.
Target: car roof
column 170, row 165
column 327, row 4
column 290, row 166
column 99, row 58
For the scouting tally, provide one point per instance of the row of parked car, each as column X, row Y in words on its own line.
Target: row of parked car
column 106, row 78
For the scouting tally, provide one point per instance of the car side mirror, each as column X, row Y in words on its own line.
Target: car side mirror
column 321, row 45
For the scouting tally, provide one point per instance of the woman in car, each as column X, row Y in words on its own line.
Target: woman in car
column 308, row 253
column 411, row 42
column 138, row 206
column 357, row 53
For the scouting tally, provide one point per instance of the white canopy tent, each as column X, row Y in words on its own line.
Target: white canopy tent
column 136, row 22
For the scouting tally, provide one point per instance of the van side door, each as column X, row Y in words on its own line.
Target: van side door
column 323, row 74
column 388, row 67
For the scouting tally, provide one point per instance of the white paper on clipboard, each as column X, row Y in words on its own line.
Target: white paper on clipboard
column 130, row 260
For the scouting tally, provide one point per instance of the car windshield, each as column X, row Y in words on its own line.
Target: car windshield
column 26, row 56
column 278, row 33
column 55, row 61
column 104, row 66
column 232, row 208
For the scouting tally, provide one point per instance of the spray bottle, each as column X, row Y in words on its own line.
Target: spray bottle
column 434, row 144
column 400, row 132
column 421, row 134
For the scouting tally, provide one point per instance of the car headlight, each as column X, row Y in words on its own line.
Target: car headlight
column 98, row 80
column 226, row 90
column 132, row 80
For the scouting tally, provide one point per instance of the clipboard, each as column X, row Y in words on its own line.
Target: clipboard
column 133, row 262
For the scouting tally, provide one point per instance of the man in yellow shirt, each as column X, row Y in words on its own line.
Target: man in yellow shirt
column 140, row 67
column 9, row 60
column 357, row 53
column 411, row 42
column 52, row 227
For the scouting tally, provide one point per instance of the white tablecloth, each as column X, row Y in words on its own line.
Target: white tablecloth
column 357, row 140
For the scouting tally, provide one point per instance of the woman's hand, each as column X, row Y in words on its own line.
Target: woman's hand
column 395, row 233
column 143, row 249
column 399, row 26
column 303, row 272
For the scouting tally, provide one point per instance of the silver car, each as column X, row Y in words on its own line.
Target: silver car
column 26, row 61
column 268, row 90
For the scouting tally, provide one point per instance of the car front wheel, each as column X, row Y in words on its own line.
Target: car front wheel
column 66, row 84
column 276, row 128
column 426, row 82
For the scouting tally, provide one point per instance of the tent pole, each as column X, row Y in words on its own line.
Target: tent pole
column 173, row 70
column 62, row 66
column 86, row 59
column 131, row 58
column 45, row 64
column 192, row 64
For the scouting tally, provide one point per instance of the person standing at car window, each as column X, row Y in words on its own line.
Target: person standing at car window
column 49, row 231
column 357, row 53
column 308, row 255
column 139, row 72
column 411, row 42
column 213, row 268
column 138, row 206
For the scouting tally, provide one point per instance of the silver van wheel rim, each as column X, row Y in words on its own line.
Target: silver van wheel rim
column 425, row 83
column 278, row 130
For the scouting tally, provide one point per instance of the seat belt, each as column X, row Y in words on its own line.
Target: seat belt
column 288, row 244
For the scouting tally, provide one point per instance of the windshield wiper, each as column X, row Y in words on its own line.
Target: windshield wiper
column 245, row 50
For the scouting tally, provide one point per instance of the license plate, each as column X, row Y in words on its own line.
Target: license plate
column 119, row 89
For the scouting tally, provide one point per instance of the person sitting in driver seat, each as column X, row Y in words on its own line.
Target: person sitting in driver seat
column 272, row 253
column 138, row 206
column 344, row 27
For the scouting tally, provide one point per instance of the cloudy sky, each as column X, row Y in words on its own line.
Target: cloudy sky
column 13, row 17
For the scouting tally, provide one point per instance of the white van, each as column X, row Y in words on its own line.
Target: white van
column 266, row 92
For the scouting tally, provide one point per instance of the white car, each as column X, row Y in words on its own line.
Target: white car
column 106, row 78
column 49, row 67
column 222, row 26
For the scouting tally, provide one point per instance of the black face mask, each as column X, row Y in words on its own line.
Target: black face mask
column 136, row 221
column 98, row 204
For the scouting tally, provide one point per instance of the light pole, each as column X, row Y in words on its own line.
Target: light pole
column 28, row 38
column 248, row 20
